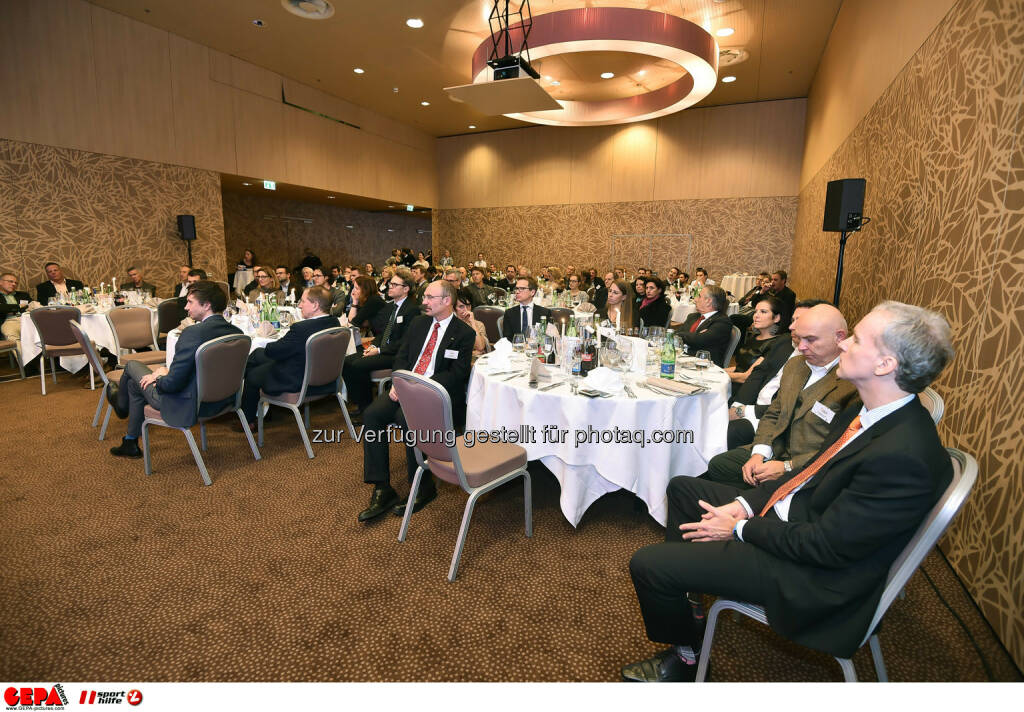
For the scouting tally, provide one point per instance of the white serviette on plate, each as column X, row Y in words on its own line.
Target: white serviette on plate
column 604, row 380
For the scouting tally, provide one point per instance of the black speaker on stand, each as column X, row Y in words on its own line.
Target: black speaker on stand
column 844, row 206
column 187, row 232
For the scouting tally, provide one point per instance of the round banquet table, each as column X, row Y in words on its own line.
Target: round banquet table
column 96, row 327
column 257, row 342
column 589, row 471
column 739, row 284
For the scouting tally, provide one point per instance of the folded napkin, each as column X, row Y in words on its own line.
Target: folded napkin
column 186, row 322
column 502, row 346
column 33, row 305
column 265, row 329
column 497, row 362
column 604, row 380
column 87, row 309
column 153, row 302
column 683, row 389
column 240, row 305
column 241, row 321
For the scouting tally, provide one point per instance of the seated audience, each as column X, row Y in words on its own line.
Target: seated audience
column 368, row 309
column 265, row 286
column 480, row 261
column 438, row 346
column 172, row 390
column 138, row 284
column 598, row 292
column 814, row 547
column 783, row 294
column 284, row 281
column 809, row 396
column 180, row 288
column 573, row 291
column 654, row 309
column 477, row 289
column 701, row 279
column 55, row 284
column 619, row 309
column 639, row 290
column 708, row 328
column 446, row 259
column 247, row 261
column 760, row 289
column 508, row 282
column 307, row 278
column 520, row 318
column 763, row 336
column 279, row 366
column 464, row 310
column 419, row 277
column 12, row 304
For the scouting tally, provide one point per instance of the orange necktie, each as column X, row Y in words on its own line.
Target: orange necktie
column 808, row 472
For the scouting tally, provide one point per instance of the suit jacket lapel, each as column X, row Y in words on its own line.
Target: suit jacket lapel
column 814, row 393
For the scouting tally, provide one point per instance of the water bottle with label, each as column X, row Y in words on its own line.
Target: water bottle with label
column 668, row 359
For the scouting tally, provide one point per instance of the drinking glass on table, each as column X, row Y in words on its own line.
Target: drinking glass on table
column 531, row 342
column 703, row 363
column 625, row 349
column 519, row 343
column 548, row 345
column 610, row 355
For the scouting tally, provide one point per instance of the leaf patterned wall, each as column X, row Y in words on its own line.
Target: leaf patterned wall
column 97, row 215
column 728, row 234
column 943, row 157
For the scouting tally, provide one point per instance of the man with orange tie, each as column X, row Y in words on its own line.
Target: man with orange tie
column 709, row 328
column 815, row 546
column 436, row 346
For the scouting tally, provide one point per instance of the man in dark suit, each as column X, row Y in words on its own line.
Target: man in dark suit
column 138, row 284
column 55, row 283
column 438, row 346
column 525, row 314
column 381, row 353
column 508, row 282
column 784, row 294
column 810, row 396
column 709, row 327
column 172, row 390
column 279, row 366
column 180, row 288
column 814, row 548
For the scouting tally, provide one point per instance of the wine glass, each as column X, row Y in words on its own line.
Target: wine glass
column 625, row 354
column 547, row 346
column 531, row 342
column 519, row 343
column 703, row 363
column 610, row 355
column 490, row 297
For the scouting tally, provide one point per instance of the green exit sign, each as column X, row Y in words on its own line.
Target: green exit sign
column 269, row 185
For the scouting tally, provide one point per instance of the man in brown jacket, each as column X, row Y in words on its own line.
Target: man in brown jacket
column 809, row 397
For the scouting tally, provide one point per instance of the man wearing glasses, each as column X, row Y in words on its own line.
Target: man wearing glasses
column 381, row 353
column 519, row 318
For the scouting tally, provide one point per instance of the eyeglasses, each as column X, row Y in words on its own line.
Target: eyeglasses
column 433, row 296
column 520, row 289
column 263, row 276
column 397, row 284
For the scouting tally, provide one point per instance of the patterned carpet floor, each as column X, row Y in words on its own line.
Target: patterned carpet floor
column 107, row 574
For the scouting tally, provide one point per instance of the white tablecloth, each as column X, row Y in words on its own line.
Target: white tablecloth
column 681, row 310
column 95, row 326
column 739, row 284
column 242, row 277
column 258, row 342
column 590, row 470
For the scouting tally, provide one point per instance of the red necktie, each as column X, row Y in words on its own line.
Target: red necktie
column 421, row 365
column 696, row 323
column 808, row 472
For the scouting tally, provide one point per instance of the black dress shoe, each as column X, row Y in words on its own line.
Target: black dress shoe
column 426, row 495
column 111, row 390
column 129, row 447
column 666, row 666
column 381, row 501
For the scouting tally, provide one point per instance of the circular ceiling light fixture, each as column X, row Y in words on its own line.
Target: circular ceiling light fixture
column 724, row 32
column 359, row 70
column 414, row 22
column 309, row 9
column 424, row 103
column 472, row 126
column 259, row 23
column 728, row 80
column 618, row 29
column 607, row 75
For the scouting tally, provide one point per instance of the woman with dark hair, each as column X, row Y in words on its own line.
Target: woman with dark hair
column 620, row 309
column 248, row 260
column 764, row 334
column 367, row 307
column 464, row 311
column 654, row 309
column 639, row 290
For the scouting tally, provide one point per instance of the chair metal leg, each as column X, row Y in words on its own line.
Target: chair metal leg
column 709, row 636
column 463, row 532
column 146, row 460
column 528, row 502
column 92, row 378
column 412, row 497
column 198, row 456
column 99, row 409
column 106, row 422
column 53, row 369
column 849, row 672
column 305, row 416
column 348, row 420
column 876, row 655
column 302, row 430
column 248, row 434
column 202, row 436
column 261, row 410
column 42, row 373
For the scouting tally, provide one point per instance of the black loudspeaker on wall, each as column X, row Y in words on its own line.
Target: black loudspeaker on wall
column 844, row 204
column 187, row 227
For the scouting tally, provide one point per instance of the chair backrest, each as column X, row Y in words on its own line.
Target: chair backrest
column 325, row 357
column 933, row 403
column 90, row 352
column 224, row 288
column 427, row 408
column 965, row 472
column 499, row 293
column 220, row 369
column 54, row 324
column 734, row 341
column 132, row 327
column 560, row 315
column 169, row 314
column 490, row 317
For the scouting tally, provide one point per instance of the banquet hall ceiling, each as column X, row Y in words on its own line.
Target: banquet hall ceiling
column 782, row 41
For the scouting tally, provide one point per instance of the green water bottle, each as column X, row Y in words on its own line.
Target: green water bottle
column 668, row 359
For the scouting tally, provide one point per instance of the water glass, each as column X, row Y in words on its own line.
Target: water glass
column 519, row 343
column 703, row 363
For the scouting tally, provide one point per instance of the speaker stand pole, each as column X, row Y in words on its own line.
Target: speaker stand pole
column 839, row 269
column 188, row 244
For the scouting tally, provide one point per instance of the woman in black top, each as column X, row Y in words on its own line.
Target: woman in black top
column 367, row 306
column 620, row 309
column 654, row 309
column 763, row 335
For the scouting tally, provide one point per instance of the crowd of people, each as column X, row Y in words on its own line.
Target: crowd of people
column 832, row 461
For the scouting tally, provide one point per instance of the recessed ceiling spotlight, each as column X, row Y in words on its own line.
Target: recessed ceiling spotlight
column 607, row 75
column 359, row 70
column 350, row 227
column 395, row 89
column 244, row 183
column 390, row 229
column 424, row 103
column 330, row 197
column 309, row 9
column 259, row 23
column 724, row 32
column 547, row 78
column 472, row 126
column 728, row 80
column 641, row 72
column 555, row 83
column 414, row 22
column 391, row 206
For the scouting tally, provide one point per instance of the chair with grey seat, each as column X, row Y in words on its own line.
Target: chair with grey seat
column 491, row 317
column 97, row 365
column 427, row 408
column 560, row 315
column 220, row 371
column 55, row 338
column 169, row 314
column 10, row 348
column 325, row 358
column 933, row 403
column 734, row 341
column 133, row 328
column 965, row 472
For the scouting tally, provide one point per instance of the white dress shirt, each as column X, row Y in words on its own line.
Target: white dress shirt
column 817, row 373
column 867, row 419
column 437, row 346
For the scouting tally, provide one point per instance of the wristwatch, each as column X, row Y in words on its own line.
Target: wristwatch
column 787, row 465
column 739, row 410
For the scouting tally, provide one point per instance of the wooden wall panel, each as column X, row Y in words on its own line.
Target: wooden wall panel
column 204, row 131
column 727, row 150
column 677, row 162
column 308, row 147
column 260, row 144
column 257, row 80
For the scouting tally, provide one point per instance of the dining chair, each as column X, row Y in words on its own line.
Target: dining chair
column 10, row 347
column 133, row 328
column 491, row 317
column 55, row 338
column 325, row 359
column 965, row 472
column 220, row 373
column 560, row 315
column 477, row 470
column 169, row 314
column 97, row 365
column 933, row 403
column 734, row 341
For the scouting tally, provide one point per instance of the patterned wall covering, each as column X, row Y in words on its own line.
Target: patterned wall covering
column 97, row 215
column 729, row 234
column 944, row 162
column 255, row 222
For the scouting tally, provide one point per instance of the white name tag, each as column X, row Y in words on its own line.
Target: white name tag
column 398, row 320
column 823, row 412
column 451, row 353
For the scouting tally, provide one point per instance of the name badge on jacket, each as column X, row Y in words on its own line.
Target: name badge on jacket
column 451, row 353
column 398, row 319
column 823, row 411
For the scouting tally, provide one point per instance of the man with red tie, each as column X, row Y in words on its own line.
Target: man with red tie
column 436, row 346
column 815, row 546
column 709, row 328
